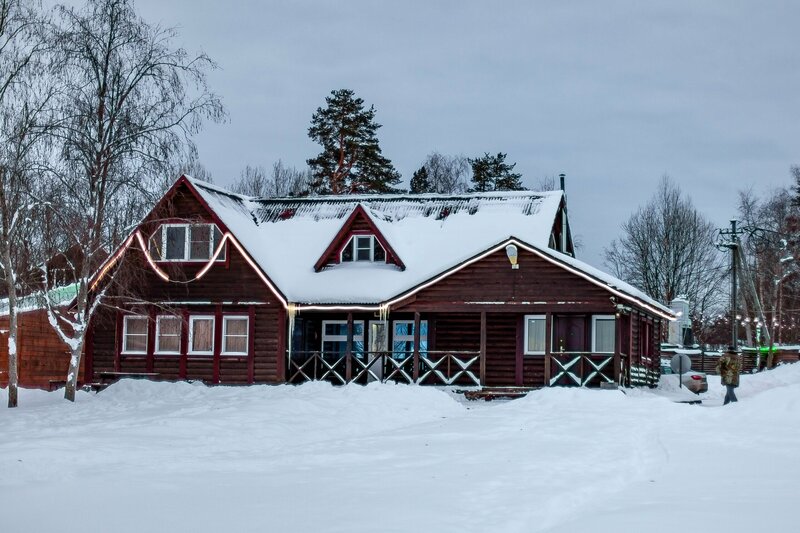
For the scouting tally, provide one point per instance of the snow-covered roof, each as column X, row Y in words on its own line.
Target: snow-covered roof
column 58, row 296
column 431, row 234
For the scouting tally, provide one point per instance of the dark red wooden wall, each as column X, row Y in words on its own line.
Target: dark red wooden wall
column 231, row 286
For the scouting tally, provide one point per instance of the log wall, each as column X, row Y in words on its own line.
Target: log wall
column 43, row 359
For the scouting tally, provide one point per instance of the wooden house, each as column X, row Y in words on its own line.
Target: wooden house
column 478, row 289
column 42, row 357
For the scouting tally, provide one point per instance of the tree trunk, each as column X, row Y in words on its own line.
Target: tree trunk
column 13, row 365
column 13, row 376
column 74, row 369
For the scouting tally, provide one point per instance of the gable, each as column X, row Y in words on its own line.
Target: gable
column 182, row 203
column 569, row 280
column 358, row 223
column 491, row 280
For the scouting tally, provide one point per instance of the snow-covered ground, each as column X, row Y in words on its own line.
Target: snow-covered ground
column 151, row 457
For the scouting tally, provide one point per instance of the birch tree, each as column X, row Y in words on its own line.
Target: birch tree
column 447, row 174
column 21, row 45
column 769, row 253
column 132, row 100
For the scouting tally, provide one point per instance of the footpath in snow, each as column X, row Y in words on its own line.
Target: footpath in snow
column 155, row 457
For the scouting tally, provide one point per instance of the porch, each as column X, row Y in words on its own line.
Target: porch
column 483, row 349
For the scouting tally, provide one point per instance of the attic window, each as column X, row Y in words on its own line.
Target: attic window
column 186, row 242
column 363, row 248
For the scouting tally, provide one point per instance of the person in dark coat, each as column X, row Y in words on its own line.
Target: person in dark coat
column 728, row 367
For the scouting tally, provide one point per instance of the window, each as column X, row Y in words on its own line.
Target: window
column 201, row 335
column 134, row 334
column 603, row 333
column 363, row 248
column 363, row 244
column 186, row 242
column 535, row 334
column 168, row 334
column 403, row 338
column 175, row 239
column 201, row 245
column 334, row 337
column 235, row 333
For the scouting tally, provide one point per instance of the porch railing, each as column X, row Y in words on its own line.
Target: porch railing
column 582, row 369
column 428, row 368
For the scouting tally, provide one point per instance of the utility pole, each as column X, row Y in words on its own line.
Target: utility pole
column 730, row 240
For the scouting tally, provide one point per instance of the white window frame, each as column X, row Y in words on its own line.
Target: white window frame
column 158, row 349
column 528, row 318
column 192, row 319
column 225, row 320
column 352, row 242
column 125, row 320
column 341, row 338
column 371, row 239
column 187, row 244
column 405, row 337
column 595, row 319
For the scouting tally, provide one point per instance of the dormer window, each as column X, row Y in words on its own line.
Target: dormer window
column 363, row 248
column 186, row 242
column 358, row 240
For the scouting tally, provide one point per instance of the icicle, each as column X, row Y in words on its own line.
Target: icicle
column 383, row 312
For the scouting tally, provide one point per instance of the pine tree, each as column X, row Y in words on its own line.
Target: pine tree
column 420, row 182
column 492, row 173
column 351, row 159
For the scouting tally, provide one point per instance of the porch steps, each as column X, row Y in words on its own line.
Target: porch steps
column 109, row 378
column 497, row 393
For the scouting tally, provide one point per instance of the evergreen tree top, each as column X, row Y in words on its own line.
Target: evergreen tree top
column 492, row 173
column 351, row 160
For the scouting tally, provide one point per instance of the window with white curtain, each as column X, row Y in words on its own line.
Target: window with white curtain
column 603, row 333
column 535, row 333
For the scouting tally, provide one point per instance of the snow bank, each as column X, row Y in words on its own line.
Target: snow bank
column 186, row 457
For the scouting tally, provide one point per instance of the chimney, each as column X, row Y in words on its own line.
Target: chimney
column 563, row 250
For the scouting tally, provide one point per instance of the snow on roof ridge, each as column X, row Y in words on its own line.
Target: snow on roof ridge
column 350, row 198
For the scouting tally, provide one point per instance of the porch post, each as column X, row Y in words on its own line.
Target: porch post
column 617, row 347
column 415, row 371
column 483, row 349
column 348, row 372
column 630, row 349
column 548, row 346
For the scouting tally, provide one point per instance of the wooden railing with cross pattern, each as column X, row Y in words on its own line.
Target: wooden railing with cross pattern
column 581, row 369
column 432, row 367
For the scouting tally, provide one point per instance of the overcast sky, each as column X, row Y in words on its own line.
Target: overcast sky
column 614, row 94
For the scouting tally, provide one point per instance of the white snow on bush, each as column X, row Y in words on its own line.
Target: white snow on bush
column 145, row 456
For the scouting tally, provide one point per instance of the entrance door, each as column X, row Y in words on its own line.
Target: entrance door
column 570, row 334
column 378, row 347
